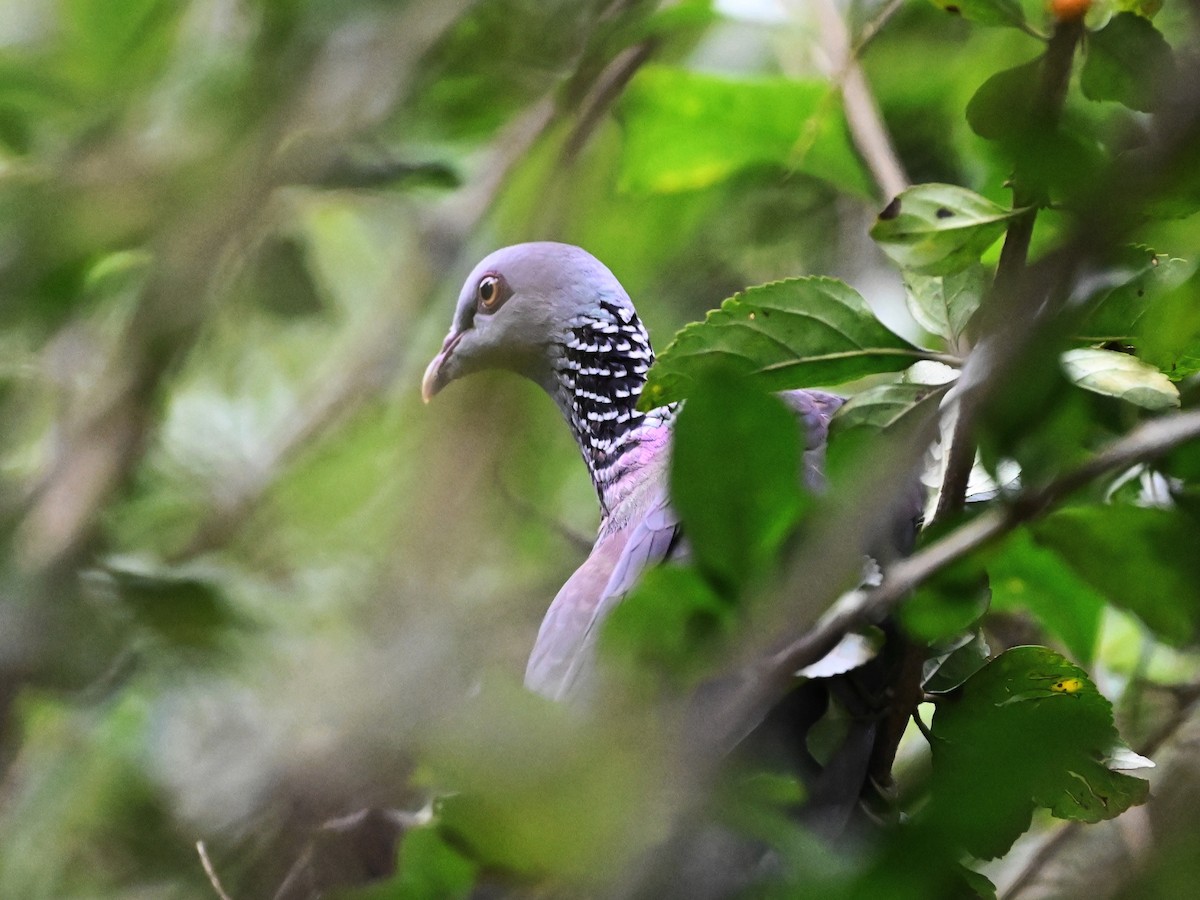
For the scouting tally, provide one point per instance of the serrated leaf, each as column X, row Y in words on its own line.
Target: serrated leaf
column 939, row 229
column 736, row 517
column 1140, row 559
column 1127, row 61
column 1028, row 729
column 944, row 304
column 986, row 12
column 801, row 332
column 1120, row 375
column 688, row 130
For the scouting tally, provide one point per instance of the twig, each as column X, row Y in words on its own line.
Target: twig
column 608, row 88
column 210, row 871
column 773, row 676
column 867, row 130
column 875, row 25
column 1014, row 256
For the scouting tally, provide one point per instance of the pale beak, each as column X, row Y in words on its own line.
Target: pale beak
column 435, row 376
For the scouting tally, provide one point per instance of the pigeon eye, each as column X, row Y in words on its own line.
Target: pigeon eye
column 488, row 293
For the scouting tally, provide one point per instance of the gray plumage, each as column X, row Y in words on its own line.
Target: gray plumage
column 555, row 314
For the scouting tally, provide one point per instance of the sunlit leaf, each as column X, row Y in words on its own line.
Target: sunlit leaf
column 687, row 130
column 1168, row 335
column 802, row 332
column 1120, row 375
column 939, row 229
column 1139, row 278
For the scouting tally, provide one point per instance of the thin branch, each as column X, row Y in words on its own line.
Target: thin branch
column 1014, row 256
column 875, row 25
column 867, row 130
column 210, row 871
column 773, row 676
column 608, row 88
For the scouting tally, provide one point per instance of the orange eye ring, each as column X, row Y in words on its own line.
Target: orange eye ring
column 487, row 292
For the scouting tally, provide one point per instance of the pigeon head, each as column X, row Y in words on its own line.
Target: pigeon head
column 517, row 311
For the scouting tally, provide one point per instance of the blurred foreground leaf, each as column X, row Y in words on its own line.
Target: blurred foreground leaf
column 735, row 477
column 1026, row 576
column 1143, row 560
column 671, row 623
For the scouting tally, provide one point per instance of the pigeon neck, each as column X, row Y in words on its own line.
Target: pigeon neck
column 599, row 376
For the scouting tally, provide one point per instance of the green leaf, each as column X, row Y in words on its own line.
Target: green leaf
column 878, row 407
column 185, row 611
column 1002, row 108
column 1028, row 729
column 1142, row 277
column 939, row 229
column 1120, row 375
column 1127, row 61
column 1025, row 576
column 531, row 789
column 689, row 130
column 1143, row 560
column 954, row 665
column 1168, row 335
column 671, row 623
column 736, row 516
column 801, row 332
column 944, row 304
column 428, row 867
column 946, row 604
column 986, row 12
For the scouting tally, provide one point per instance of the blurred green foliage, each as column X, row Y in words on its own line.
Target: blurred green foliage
column 249, row 586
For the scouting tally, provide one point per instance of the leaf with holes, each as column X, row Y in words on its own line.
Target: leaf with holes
column 801, row 332
column 939, row 229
